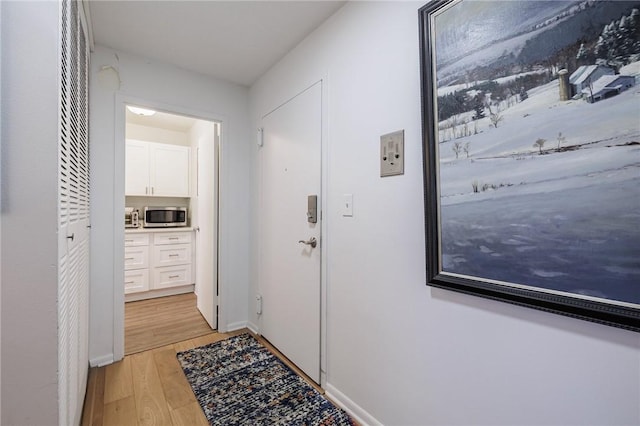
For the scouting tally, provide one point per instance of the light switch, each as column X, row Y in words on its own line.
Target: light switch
column 347, row 205
column 392, row 154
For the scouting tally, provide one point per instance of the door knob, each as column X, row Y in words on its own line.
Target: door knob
column 312, row 242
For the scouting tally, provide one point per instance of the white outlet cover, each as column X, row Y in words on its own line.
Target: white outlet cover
column 392, row 154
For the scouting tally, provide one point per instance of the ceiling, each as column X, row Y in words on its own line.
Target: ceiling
column 162, row 120
column 236, row 41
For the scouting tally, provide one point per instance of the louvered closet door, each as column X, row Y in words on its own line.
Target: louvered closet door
column 73, row 216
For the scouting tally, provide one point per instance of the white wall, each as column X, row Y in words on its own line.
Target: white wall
column 29, row 212
column 149, row 83
column 398, row 351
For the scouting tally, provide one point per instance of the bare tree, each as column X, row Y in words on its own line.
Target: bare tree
column 539, row 144
column 457, row 147
column 561, row 139
column 466, row 148
column 495, row 117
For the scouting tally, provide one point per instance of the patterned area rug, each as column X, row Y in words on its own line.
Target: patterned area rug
column 237, row 381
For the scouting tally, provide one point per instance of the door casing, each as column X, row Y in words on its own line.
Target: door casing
column 119, row 203
column 322, row 208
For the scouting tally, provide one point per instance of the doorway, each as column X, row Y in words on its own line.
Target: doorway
column 290, row 229
column 171, row 272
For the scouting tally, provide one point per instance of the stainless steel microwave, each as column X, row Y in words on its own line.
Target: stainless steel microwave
column 165, row 217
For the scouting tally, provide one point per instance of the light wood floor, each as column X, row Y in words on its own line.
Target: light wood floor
column 150, row 388
column 153, row 323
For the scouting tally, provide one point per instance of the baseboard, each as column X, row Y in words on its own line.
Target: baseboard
column 171, row 291
column 254, row 328
column 354, row 410
column 101, row 361
column 236, row 326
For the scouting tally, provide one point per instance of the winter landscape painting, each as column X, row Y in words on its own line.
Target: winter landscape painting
column 532, row 152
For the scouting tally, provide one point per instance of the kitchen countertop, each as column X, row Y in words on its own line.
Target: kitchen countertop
column 156, row 230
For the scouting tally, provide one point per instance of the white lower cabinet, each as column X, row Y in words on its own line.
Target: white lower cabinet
column 171, row 276
column 157, row 261
column 136, row 263
column 136, row 280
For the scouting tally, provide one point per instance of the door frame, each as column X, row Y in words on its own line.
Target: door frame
column 324, row 203
column 121, row 100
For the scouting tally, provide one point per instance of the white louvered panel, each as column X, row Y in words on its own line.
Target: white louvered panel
column 64, row 326
column 63, row 339
column 74, row 209
column 74, row 329
column 83, row 277
column 63, row 180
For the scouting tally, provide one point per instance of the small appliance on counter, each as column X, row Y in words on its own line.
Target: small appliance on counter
column 131, row 217
column 165, row 217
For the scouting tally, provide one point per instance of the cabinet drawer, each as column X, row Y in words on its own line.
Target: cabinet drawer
column 136, row 281
column 176, row 254
column 136, row 258
column 172, row 238
column 171, row 276
column 136, row 240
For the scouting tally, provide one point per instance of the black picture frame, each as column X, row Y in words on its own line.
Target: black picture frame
column 617, row 313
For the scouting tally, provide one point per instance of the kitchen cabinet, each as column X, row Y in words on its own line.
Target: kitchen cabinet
column 158, row 262
column 156, row 169
column 136, row 263
column 172, row 259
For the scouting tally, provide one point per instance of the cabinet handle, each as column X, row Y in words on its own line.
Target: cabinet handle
column 146, row 190
column 152, row 190
column 174, row 276
column 174, row 238
column 129, row 258
column 174, row 255
column 129, row 282
column 128, row 241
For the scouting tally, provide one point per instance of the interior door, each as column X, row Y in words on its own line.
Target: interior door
column 206, row 214
column 289, row 261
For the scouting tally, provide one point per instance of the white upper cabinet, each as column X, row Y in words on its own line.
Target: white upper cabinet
column 137, row 168
column 155, row 169
column 169, row 170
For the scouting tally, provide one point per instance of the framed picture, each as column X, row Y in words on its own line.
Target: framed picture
column 531, row 137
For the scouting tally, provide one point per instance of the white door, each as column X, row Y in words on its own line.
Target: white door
column 206, row 214
column 289, row 269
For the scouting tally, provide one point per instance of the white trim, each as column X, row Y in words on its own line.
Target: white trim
column 236, row 326
column 324, row 195
column 354, row 410
column 253, row 328
column 2, row 211
column 171, row 291
column 85, row 20
column 118, row 233
column 101, row 361
column 121, row 100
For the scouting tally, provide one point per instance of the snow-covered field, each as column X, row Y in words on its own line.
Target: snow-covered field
column 567, row 220
column 445, row 90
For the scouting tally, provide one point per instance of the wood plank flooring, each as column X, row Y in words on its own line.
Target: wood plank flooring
column 153, row 323
column 150, row 388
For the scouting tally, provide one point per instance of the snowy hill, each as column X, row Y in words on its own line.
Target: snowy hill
column 564, row 216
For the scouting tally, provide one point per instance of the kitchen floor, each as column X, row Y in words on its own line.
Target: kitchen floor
column 153, row 323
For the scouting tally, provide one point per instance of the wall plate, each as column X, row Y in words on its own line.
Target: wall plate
column 392, row 154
